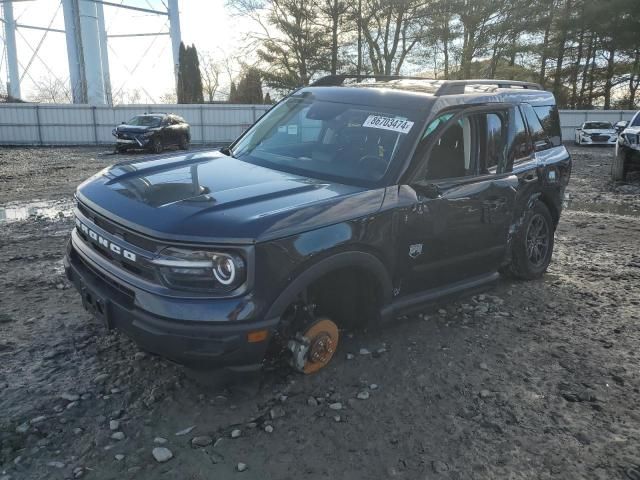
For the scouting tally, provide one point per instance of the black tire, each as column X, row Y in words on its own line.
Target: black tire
column 156, row 145
column 532, row 244
column 618, row 166
column 184, row 142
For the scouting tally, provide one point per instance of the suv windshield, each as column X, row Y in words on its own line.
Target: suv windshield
column 321, row 139
column 145, row 121
column 597, row 126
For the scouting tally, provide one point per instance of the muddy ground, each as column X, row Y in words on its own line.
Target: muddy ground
column 528, row 380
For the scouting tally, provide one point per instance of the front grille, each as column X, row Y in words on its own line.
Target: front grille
column 141, row 265
column 600, row 138
column 118, row 230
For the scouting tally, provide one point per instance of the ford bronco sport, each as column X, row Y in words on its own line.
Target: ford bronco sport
column 346, row 202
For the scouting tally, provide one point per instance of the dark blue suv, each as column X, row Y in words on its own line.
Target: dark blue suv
column 348, row 203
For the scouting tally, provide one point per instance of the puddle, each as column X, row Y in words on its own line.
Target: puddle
column 609, row 208
column 51, row 209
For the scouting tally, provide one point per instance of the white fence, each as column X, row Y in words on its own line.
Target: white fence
column 32, row 124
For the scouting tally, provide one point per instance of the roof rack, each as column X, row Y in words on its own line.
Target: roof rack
column 457, row 87
column 445, row 87
column 337, row 80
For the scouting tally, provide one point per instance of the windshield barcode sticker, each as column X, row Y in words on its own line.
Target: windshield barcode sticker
column 388, row 123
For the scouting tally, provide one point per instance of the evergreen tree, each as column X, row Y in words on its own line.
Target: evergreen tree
column 189, row 78
column 233, row 93
column 249, row 89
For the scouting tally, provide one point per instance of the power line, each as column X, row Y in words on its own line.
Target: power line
column 35, row 52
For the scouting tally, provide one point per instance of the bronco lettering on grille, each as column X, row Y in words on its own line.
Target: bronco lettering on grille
column 104, row 242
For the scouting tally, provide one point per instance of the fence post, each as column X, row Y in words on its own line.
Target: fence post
column 39, row 125
column 95, row 125
column 253, row 111
column 202, row 123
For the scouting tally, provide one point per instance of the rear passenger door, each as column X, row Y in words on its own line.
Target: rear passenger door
column 465, row 199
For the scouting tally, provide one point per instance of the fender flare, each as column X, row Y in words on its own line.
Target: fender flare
column 315, row 271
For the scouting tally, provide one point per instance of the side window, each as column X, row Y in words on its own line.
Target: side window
column 535, row 127
column 451, row 156
column 492, row 141
column 472, row 145
column 521, row 147
column 550, row 119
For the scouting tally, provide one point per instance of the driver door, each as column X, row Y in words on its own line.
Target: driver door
column 464, row 200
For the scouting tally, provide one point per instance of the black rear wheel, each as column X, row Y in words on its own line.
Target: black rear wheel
column 619, row 166
column 532, row 244
column 184, row 142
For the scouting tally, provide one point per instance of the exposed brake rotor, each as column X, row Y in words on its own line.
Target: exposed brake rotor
column 315, row 347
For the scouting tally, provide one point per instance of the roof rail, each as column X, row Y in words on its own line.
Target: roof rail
column 457, row 87
column 444, row 87
column 337, row 80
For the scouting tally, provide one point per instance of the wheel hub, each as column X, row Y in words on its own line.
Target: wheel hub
column 537, row 240
column 314, row 349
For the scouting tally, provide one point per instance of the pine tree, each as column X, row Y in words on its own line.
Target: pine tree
column 189, row 77
column 233, row 93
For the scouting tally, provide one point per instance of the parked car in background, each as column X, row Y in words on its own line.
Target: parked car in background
column 627, row 156
column 620, row 126
column 596, row 133
column 152, row 131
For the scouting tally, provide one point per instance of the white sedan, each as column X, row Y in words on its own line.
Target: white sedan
column 596, row 133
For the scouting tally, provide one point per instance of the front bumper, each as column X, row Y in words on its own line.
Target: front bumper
column 211, row 342
column 134, row 141
column 582, row 140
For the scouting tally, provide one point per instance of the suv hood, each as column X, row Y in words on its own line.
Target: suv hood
column 208, row 196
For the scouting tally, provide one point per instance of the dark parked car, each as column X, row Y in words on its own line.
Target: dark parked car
column 627, row 156
column 152, row 131
column 343, row 205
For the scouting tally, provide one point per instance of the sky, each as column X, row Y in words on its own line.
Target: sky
column 143, row 63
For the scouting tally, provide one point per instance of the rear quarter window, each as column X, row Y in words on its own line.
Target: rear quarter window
column 550, row 120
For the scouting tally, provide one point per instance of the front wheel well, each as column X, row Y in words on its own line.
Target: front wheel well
column 349, row 296
column 553, row 210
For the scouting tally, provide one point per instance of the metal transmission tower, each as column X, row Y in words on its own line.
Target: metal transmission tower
column 13, row 85
column 87, row 46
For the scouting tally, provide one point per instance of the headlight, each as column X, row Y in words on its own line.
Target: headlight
column 630, row 138
column 201, row 270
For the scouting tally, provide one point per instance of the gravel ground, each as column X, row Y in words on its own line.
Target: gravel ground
column 528, row 380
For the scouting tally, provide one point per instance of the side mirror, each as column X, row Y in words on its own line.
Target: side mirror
column 429, row 190
column 621, row 125
column 542, row 144
column 122, row 123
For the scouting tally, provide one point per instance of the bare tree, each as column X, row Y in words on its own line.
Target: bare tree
column 127, row 97
column 391, row 29
column 168, row 98
column 210, row 70
column 51, row 90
